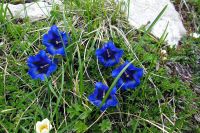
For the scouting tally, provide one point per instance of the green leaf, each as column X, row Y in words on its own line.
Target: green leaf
column 80, row 127
column 134, row 124
column 85, row 114
column 75, row 110
column 72, row 112
column 105, row 125
column 78, row 107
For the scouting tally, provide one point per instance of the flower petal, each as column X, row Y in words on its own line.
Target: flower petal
column 54, row 29
column 55, row 41
column 128, row 83
column 101, row 60
column 51, row 50
column 101, row 86
column 118, row 55
column 45, row 40
column 47, row 122
column 30, row 60
column 104, row 107
column 61, row 51
column 40, row 66
column 41, row 77
column 109, row 55
column 33, row 73
column 131, row 84
column 111, row 46
column 64, row 37
column 99, row 52
column 110, row 62
column 45, row 131
column 37, row 126
column 97, row 103
column 113, row 91
column 139, row 72
column 116, row 72
column 92, row 97
column 52, row 68
column 121, row 84
column 112, row 101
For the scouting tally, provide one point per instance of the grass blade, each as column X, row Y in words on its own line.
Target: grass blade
column 114, row 82
column 156, row 20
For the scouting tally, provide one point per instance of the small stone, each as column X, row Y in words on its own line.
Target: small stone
column 163, row 52
column 1, row 44
column 197, row 89
column 195, row 35
column 197, row 117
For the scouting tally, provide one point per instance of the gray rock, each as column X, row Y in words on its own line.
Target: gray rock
column 35, row 10
column 197, row 117
column 144, row 12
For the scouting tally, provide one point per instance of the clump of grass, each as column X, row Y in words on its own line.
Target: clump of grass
column 189, row 11
column 162, row 103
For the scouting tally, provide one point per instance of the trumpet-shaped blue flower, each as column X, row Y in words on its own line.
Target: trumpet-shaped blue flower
column 40, row 66
column 99, row 92
column 55, row 41
column 109, row 55
column 130, row 79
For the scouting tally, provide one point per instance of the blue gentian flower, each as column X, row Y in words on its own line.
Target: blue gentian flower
column 130, row 79
column 55, row 41
column 109, row 55
column 97, row 96
column 40, row 66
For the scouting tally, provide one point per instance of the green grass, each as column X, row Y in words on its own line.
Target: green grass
column 164, row 102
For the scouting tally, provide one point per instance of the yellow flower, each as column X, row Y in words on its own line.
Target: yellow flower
column 43, row 126
column 163, row 52
column 164, row 58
